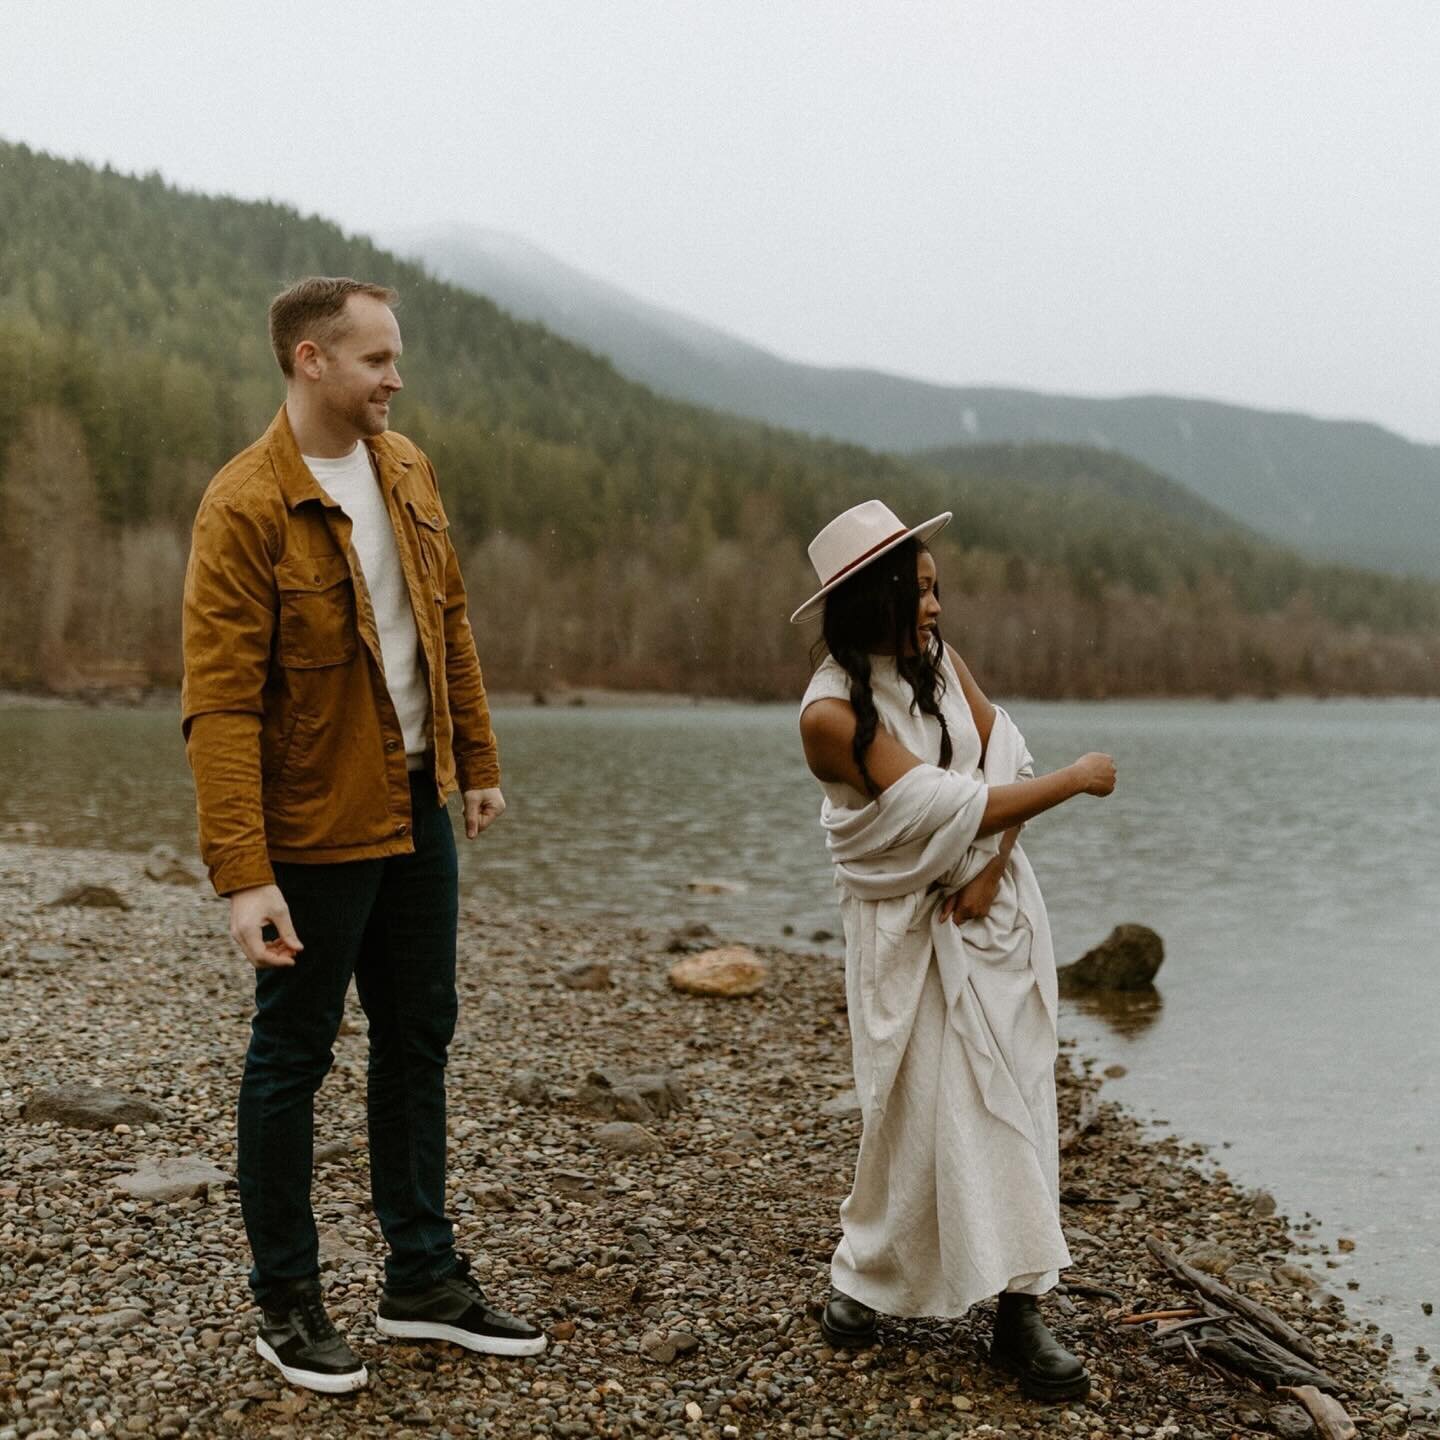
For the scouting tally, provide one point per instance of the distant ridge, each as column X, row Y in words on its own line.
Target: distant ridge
column 612, row 536
column 1338, row 490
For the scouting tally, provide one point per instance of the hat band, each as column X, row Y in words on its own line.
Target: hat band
column 861, row 559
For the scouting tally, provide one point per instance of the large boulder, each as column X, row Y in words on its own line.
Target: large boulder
column 1127, row 959
column 732, row 970
column 88, row 1107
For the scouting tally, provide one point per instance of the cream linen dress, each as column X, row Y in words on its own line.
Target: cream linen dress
column 956, row 1191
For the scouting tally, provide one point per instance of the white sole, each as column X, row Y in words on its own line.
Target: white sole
column 482, row 1344
column 312, row 1379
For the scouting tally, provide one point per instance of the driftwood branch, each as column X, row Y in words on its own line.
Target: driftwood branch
column 1174, row 1327
column 1328, row 1413
column 1213, row 1289
column 1188, row 1313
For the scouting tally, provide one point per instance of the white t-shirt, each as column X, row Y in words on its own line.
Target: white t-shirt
column 351, row 482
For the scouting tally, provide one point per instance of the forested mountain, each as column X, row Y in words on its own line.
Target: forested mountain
column 609, row 536
column 1337, row 490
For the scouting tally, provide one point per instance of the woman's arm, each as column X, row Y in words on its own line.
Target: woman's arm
column 1014, row 804
column 827, row 730
column 972, row 901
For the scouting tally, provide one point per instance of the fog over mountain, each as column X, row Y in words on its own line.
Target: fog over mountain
column 1341, row 490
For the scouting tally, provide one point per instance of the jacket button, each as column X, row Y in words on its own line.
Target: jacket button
column 402, row 829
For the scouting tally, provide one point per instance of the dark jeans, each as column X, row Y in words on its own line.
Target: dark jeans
column 391, row 923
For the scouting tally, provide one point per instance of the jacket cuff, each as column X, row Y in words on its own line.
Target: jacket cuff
column 241, row 872
column 478, row 772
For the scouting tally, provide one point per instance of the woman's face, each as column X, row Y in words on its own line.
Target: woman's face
column 928, row 614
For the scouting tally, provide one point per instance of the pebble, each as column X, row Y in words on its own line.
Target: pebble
column 626, row 1138
column 528, row 1088
column 845, row 1103
column 586, row 975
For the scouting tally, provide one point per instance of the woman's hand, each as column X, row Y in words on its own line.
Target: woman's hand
column 974, row 899
column 1094, row 774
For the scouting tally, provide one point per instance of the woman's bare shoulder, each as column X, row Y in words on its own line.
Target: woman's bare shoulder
column 828, row 717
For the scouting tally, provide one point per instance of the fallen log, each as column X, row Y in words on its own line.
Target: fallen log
column 1328, row 1413
column 1221, row 1294
column 1243, row 1350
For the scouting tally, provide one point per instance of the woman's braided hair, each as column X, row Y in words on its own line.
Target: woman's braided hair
column 873, row 613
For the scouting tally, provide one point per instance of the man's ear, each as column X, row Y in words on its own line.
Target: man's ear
column 309, row 360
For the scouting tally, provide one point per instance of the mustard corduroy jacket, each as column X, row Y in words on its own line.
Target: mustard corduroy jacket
column 295, row 746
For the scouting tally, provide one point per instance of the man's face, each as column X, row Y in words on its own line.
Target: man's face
column 356, row 373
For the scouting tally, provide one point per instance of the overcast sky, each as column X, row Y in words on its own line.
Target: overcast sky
column 1233, row 200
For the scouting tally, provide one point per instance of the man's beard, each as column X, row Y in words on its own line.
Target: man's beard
column 363, row 417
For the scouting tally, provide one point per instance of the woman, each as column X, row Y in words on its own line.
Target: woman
column 949, row 969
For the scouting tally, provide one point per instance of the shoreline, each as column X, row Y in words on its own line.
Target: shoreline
column 721, row 1235
column 584, row 697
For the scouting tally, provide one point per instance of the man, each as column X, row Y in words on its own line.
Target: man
column 332, row 700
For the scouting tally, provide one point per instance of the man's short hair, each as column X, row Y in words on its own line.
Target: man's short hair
column 314, row 309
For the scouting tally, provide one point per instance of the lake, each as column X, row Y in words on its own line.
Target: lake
column 1288, row 853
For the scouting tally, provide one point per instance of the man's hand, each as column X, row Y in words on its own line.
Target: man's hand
column 482, row 809
column 973, row 900
column 251, row 913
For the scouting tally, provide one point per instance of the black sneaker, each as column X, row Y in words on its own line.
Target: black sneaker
column 297, row 1338
column 456, row 1310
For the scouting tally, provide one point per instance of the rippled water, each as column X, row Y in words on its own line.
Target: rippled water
column 1288, row 853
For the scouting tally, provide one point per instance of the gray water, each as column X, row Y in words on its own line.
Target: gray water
column 1288, row 853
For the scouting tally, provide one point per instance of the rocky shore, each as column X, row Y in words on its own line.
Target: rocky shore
column 652, row 1175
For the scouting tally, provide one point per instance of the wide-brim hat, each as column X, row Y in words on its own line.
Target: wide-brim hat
column 854, row 540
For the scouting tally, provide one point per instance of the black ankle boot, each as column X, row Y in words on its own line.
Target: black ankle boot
column 846, row 1323
column 1023, row 1343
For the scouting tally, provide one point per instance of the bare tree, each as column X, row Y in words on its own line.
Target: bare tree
column 50, row 530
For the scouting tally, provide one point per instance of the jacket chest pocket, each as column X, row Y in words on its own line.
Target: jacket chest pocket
column 317, row 612
column 430, row 527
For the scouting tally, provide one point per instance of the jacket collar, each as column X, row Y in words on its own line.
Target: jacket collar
column 296, row 482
